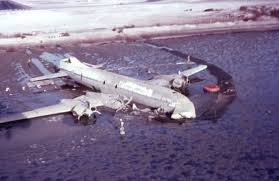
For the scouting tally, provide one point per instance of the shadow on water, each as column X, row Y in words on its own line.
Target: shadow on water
column 7, row 128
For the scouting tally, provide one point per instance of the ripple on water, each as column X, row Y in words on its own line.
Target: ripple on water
column 241, row 144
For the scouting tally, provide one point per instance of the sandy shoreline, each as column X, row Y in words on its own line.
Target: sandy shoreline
column 135, row 34
column 62, row 24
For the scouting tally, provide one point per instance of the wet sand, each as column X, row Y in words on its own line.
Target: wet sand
column 241, row 144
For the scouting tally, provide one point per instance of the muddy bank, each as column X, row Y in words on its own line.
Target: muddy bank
column 202, row 18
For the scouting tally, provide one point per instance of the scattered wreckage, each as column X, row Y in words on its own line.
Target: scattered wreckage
column 162, row 93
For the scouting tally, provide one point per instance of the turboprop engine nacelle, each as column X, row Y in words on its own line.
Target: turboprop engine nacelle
column 180, row 83
column 82, row 110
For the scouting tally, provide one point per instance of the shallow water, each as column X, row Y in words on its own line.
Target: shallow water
column 241, row 145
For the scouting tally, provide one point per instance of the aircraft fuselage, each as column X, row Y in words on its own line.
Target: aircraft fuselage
column 140, row 91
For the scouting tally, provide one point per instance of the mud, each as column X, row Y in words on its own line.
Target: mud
column 240, row 144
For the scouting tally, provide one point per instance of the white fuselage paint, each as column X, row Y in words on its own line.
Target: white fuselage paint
column 140, row 91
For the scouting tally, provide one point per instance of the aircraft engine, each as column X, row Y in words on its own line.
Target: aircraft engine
column 82, row 110
column 180, row 84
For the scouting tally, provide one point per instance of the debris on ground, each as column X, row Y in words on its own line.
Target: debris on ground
column 122, row 129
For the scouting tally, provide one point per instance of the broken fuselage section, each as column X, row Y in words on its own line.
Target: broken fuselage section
column 112, row 90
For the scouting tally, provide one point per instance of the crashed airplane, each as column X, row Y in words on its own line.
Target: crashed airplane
column 111, row 90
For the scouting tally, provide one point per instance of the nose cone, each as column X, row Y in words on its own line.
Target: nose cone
column 184, row 115
column 184, row 109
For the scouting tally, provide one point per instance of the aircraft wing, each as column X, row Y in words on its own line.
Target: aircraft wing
column 49, row 76
column 165, row 80
column 194, row 70
column 78, row 106
column 45, row 111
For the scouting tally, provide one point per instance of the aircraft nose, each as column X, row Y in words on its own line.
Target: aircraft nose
column 184, row 109
column 183, row 115
column 189, row 115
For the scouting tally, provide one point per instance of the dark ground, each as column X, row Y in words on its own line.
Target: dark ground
column 240, row 145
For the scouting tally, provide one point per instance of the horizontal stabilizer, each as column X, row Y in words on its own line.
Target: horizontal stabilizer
column 49, row 76
column 194, row 70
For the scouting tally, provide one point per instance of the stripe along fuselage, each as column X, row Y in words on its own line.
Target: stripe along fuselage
column 139, row 90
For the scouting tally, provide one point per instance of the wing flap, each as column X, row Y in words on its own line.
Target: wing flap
column 49, row 76
column 194, row 70
column 164, row 80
